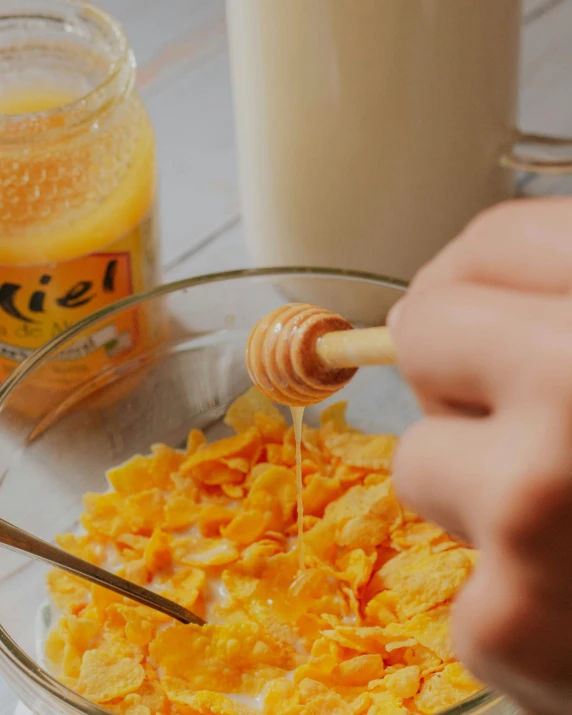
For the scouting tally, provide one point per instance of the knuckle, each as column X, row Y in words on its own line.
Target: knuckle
column 554, row 359
column 534, row 496
column 424, row 276
column 420, row 317
column 457, row 260
column 405, row 456
column 466, row 651
column 493, row 627
column 499, row 636
column 539, row 502
column 504, row 215
column 467, row 629
column 499, row 211
column 453, row 262
column 483, row 233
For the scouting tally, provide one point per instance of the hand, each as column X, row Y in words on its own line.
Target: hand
column 484, row 337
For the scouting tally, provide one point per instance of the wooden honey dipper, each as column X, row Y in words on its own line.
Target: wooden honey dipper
column 299, row 354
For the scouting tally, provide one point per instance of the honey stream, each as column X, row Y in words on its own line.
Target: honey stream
column 297, row 419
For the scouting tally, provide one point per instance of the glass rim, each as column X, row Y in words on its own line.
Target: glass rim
column 53, row 345
column 84, row 109
column 9, row 649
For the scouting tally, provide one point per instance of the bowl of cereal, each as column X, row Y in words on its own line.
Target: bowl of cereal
column 160, row 462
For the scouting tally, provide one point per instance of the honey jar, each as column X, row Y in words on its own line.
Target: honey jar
column 78, row 225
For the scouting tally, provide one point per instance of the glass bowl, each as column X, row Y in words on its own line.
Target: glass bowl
column 58, row 437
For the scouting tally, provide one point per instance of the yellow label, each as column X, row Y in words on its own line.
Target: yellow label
column 39, row 302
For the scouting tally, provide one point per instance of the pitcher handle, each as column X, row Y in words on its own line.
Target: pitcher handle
column 528, row 162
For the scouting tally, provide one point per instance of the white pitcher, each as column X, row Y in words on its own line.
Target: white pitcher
column 371, row 131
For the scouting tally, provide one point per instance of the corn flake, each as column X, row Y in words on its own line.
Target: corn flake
column 180, row 512
column 207, row 460
column 356, row 567
column 386, row 703
column 157, row 553
column 363, row 516
column 319, row 492
column 104, row 677
column 404, row 683
column 442, row 690
column 429, row 629
column 372, row 452
column 241, row 415
column 360, row 670
column 421, row 580
column 70, row 593
column 219, row 657
column 333, row 418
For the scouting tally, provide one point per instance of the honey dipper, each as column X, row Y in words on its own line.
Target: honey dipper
column 300, row 354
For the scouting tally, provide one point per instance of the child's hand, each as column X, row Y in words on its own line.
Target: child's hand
column 484, row 337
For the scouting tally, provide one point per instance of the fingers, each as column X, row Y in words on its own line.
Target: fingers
column 522, row 245
column 517, row 642
column 469, row 345
column 488, row 325
column 439, row 469
column 504, row 479
column 512, row 621
column 518, row 250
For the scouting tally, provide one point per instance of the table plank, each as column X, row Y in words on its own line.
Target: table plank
column 184, row 78
column 533, row 9
column 546, row 72
column 8, row 699
column 546, row 80
column 225, row 252
column 170, row 36
column 197, row 161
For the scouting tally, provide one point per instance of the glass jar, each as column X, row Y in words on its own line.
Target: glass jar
column 190, row 382
column 78, row 226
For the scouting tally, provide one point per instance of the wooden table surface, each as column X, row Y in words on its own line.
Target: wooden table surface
column 181, row 47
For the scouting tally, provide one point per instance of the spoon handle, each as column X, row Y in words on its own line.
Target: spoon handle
column 356, row 348
column 21, row 541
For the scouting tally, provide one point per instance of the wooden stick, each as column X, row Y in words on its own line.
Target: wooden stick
column 356, row 348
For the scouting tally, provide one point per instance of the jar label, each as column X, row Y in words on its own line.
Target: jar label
column 39, row 302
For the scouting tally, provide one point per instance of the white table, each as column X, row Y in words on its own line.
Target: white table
column 184, row 78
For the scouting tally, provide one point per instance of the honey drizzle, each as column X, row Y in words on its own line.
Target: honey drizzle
column 297, row 419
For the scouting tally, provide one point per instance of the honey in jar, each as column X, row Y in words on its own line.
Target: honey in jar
column 78, row 225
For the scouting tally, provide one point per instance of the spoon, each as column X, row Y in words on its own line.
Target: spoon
column 21, row 541
column 299, row 354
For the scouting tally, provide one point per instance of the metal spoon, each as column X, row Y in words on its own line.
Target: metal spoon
column 21, row 541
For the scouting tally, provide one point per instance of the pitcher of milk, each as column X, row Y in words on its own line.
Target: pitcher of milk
column 371, row 131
